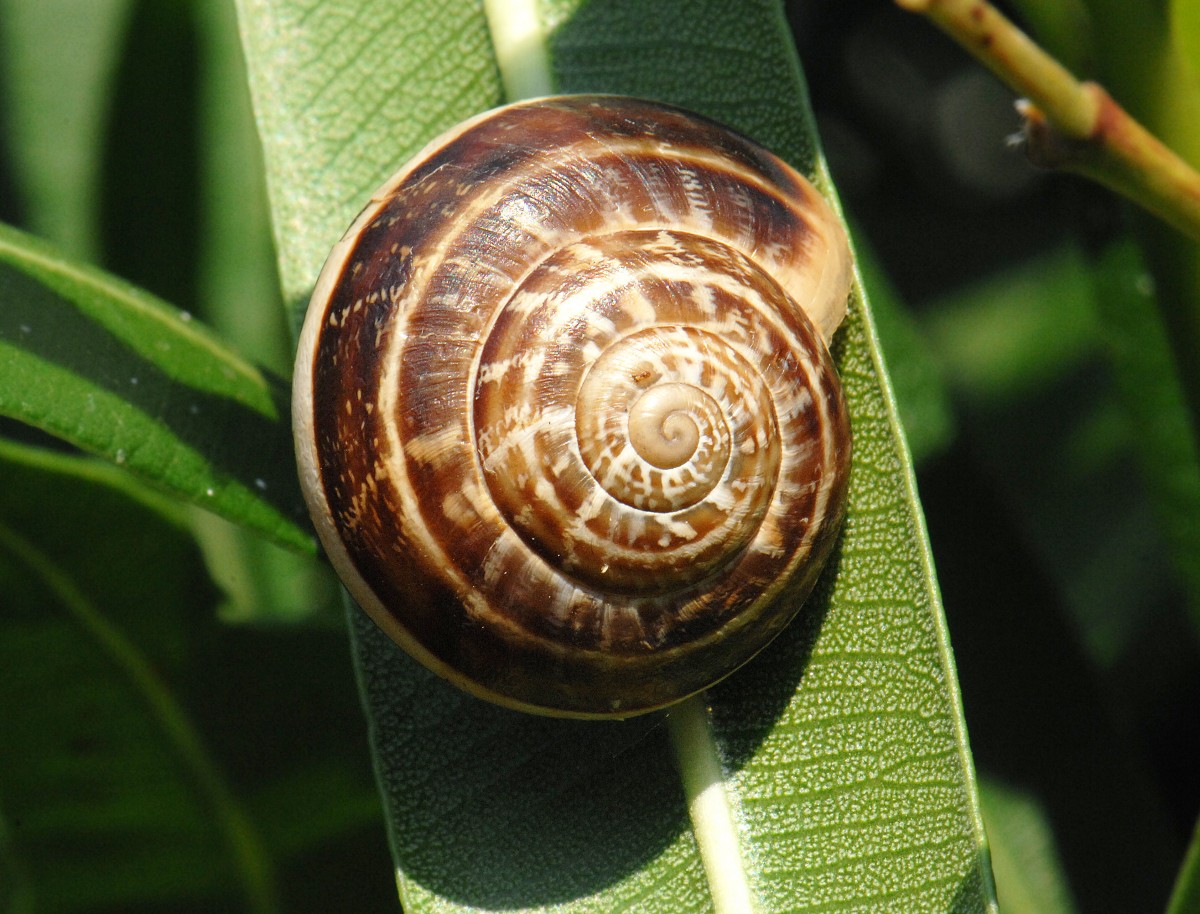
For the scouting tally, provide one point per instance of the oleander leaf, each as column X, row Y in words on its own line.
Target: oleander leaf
column 842, row 749
column 113, row 370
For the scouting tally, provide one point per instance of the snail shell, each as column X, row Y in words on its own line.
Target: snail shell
column 564, row 412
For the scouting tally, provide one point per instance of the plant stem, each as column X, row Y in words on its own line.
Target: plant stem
column 1073, row 125
column 708, row 804
column 520, row 45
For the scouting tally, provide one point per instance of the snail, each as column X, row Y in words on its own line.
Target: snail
column 565, row 415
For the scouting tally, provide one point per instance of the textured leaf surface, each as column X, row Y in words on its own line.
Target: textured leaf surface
column 116, row 372
column 344, row 90
column 843, row 747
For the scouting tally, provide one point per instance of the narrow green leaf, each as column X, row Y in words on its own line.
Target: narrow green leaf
column 239, row 278
column 265, row 584
column 114, row 796
column 111, row 369
column 344, row 91
column 1029, row 873
column 842, row 754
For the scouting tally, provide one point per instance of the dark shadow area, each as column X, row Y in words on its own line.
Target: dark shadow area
column 150, row 207
column 11, row 209
column 305, row 731
column 769, row 682
column 539, row 811
column 917, row 137
column 1043, row 732
column 274, row 712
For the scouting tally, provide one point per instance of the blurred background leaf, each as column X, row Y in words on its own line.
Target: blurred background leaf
column 1024, row 856
column 57, row 65
column 114, row 797
column 164, row 91
column 1059, row 509
column 111, row 674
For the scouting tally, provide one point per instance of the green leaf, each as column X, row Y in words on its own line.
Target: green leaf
column 1029, row 873
column 239, row 280
column 123, row 701
column 1017, row 331
column 339, row 106
column 1185, row 896
column 841, row 757
column 111, row 369
column 112, row 797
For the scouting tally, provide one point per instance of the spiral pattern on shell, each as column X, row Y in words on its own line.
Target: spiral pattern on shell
column 564, row 411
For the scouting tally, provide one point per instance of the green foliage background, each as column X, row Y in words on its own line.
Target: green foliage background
column 179, row 724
